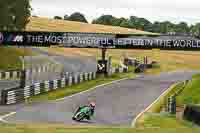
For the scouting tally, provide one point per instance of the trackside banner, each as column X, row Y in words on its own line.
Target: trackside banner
column 95, row 40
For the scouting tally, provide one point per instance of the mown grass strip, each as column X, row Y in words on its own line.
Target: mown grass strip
column 46, row 128
column 165, row 120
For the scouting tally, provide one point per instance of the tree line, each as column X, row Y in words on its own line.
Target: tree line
column 138, row 23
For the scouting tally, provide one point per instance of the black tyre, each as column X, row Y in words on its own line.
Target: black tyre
column 73, row 118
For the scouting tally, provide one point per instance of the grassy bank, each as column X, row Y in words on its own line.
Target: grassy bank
column 157, row 106
column 191, row 94
column 48, row 24
column 10, row 57
column 165, row 120
column 39, row 128
column 79, row 87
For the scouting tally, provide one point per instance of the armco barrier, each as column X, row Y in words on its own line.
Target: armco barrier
column 17, row 95
column 119, row 70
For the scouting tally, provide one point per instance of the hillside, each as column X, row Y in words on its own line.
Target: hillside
column 46, row 24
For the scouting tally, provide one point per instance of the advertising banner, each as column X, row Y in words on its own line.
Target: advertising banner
column 96, row 40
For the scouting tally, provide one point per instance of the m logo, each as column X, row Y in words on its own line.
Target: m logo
column 18, row 39
column 1, row 38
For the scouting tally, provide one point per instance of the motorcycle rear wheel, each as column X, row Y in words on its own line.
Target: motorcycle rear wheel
column 80, row 116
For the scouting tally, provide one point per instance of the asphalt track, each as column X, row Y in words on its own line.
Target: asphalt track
column 117, row 104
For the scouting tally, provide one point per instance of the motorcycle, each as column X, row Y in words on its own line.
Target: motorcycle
column 81, row 114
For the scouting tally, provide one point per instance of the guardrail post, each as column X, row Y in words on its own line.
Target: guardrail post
column 23, row 79
column 172, row 105
column 3, row 97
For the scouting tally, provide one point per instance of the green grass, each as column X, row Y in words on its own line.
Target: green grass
column 156, row 108
column 165, row 120
column 41, row 128
column 191, row 94
column 78, row 88
column 10, row 57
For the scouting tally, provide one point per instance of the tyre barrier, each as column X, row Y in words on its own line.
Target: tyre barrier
column 17, row 95
column 119, row 70
column 192, row 113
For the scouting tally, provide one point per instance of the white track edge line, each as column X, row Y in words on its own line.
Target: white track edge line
column 12, row 113
column 133, row 124
column 5, row 116
column 90, row 89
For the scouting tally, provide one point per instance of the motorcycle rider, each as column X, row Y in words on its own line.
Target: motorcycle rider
column 91, row 105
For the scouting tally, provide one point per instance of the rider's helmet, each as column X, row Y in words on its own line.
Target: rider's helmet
column 92, row 104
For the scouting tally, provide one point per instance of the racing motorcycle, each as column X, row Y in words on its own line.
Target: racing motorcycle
column 84, row 112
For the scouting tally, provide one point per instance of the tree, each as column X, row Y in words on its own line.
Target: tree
column 105, row 20
column 125, row 23
column 195, row 30
column 77, row 17
column 139, row 23
column 14, row 14
column 156, row 27
column 66, row 17
column 117, row 21
column 182, row 27
column 57, row 17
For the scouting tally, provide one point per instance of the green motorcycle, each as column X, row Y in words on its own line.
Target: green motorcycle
column 82, row 113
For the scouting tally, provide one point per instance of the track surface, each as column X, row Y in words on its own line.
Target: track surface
column 117, row 104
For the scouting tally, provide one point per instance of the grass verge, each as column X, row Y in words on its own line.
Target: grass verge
column 41, row 128
column 60, row 93
column 157, row 106
column 165, row 120
column 191, row 94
